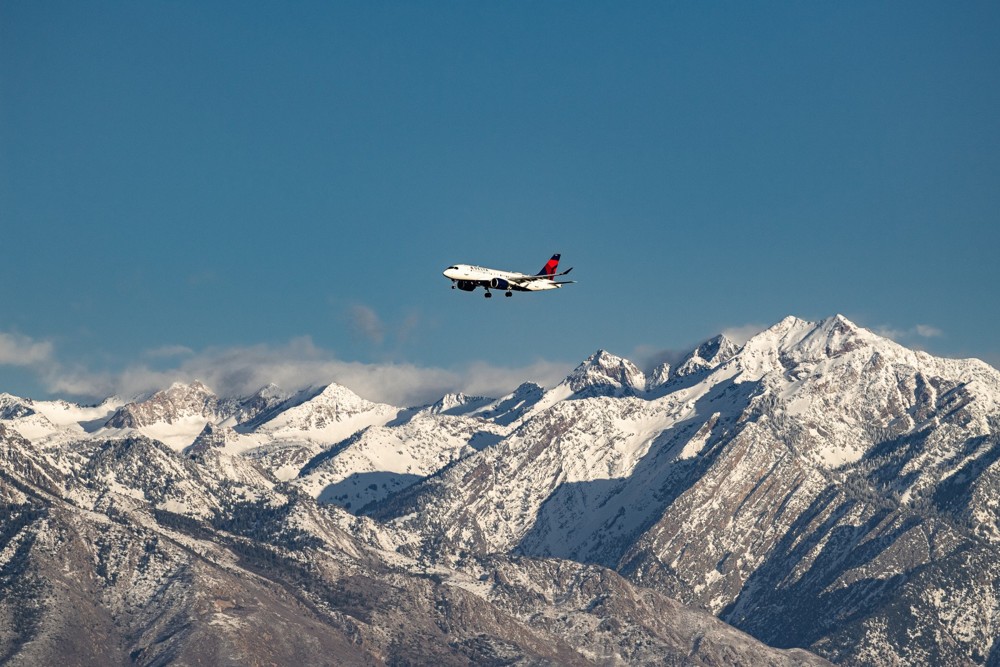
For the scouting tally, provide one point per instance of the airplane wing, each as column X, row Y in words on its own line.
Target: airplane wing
column 527, row 278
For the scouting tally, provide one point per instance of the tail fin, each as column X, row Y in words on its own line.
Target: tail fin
column 550, row 266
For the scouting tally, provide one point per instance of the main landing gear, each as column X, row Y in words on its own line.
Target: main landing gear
column 488, row 295
column 509, row 294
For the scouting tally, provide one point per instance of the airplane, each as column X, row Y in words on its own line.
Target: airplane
column 467, row 278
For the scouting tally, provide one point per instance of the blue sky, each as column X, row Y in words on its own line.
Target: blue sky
column 240, row 189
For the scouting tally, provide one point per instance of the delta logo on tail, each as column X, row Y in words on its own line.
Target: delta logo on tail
column 550, row 266
column 467, row 277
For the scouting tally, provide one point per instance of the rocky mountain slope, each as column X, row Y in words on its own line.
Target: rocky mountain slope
column 807, row 488
column 123, row 552
column 818, row 487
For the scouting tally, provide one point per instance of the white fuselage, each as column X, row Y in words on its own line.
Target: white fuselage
column 484, row 276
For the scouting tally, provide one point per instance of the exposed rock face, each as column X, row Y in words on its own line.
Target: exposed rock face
column 604, row 374
column 708, row 355
column 168, row 406
column 658, row 377
column 12, row 407
column 244, row 409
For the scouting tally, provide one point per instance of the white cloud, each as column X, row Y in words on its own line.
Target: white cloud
column 366, row 322
column 927, row 331
column 903, row 335
column 742, row 333
column 240, row 371
column 80, row 382
column 889, row 332
column 648, row 357
column 369, row 325
column 18, row 350
column 482, row 379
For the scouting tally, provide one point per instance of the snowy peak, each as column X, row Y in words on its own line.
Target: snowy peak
column 173, row 416
column 270, row 391
column 502, row 411
column 12, row 407
column 717, row 350
column 458, row 404
column 794, row 341
column 342, row 398
column 658, row 377
column 310, row 406
column 836, row 336
column 326, row 415
column 168, row 406
column 708, row 355
column 604, row 374
column 525, row 392
column 814, row 340
column 513, row 406
column 245, row 409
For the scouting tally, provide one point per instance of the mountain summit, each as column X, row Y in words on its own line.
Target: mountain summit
column 708, row 355
column 170, row 406
column 604, row 374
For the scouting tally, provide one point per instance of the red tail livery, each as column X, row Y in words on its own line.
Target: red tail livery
column 550, row 266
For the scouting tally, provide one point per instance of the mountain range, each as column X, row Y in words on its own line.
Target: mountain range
column 817, row 493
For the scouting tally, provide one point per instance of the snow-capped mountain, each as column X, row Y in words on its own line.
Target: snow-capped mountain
column 819, row 487
column 793, row 474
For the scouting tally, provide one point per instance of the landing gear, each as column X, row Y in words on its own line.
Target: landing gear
column 509, row 293
column 488, row 295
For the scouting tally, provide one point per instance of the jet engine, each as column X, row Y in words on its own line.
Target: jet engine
column 499, row 283
column 465, row 285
